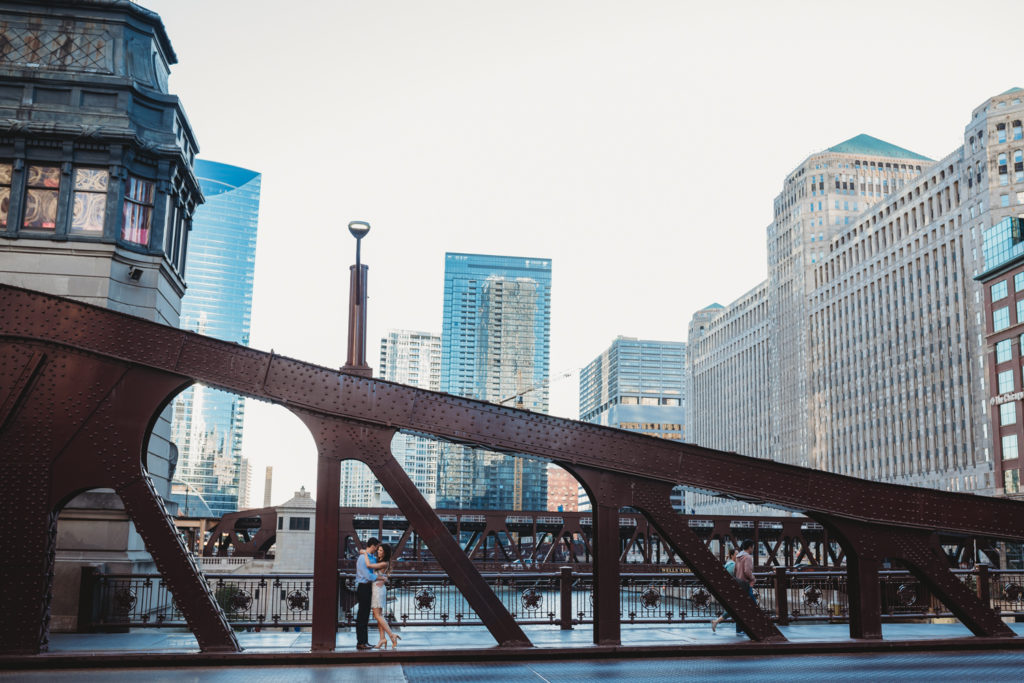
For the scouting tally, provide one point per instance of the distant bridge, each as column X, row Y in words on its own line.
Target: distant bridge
column 81, row 386
column 537, row 538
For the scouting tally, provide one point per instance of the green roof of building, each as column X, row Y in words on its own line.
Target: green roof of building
column 1014, row 89
column 867, row 145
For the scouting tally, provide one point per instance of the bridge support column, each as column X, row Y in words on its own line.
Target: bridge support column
column 325, row 558
column 607, row 610
column 865, row 596
column 867, row 545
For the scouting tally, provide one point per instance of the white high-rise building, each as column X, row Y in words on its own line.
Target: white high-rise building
column 873, row 334
column 412, row 358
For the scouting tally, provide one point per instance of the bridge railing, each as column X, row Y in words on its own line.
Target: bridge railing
column 564, row 598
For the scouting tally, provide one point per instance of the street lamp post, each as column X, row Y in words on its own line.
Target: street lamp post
column 356, row 363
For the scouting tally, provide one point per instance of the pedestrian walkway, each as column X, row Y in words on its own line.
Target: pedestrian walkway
column 432, row 638
column 909, row 652
column 933, row 667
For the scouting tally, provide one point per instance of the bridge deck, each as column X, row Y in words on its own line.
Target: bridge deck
column 468, row 641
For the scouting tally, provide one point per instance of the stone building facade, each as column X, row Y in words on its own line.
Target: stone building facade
column 876, row 351
column 97, row 194
column 819, row 200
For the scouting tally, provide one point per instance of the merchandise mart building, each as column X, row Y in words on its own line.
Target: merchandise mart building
column 207, row 427
column 495, row 346
column 878, row 370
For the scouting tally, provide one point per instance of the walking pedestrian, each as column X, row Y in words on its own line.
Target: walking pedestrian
column 745, row 572
column 730, row 566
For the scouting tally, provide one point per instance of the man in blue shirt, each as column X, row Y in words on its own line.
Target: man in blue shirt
column 364, row 588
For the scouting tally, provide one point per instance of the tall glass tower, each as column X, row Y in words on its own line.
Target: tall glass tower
column 495, row 346
column 219, row 273
column 412, row 358
column 638, row 385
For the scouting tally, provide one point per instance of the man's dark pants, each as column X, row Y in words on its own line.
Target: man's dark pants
column 753, row 594
column 363, row 593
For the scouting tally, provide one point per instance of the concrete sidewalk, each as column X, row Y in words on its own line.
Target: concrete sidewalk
column 816, row 652
column 433, row 638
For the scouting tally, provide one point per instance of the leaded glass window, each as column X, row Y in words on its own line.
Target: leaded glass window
column 138, row 210
column 90, row 200
column 5, row 192
column 43, row 185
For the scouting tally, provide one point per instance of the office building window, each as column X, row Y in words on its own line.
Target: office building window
column 1007, row 413
column 1003, row 351
column 1017, row 133
column 138, row 211
column 1020, row 310
column 1011, row 481
column 1001, row 132
column 43, row 188
column 1000, row 318
column 298, row 523
column 1004, row 200
column 5, row 192
column 1018, row 282
column 1010, row 447
column 1005, row 382
column 999, row 291
column 90, row 200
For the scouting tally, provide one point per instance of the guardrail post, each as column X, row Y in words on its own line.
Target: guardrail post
column 984, row 589
column 781, row 596
column 565, row 592
column 87, row 599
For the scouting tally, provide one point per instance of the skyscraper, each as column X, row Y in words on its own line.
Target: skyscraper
column 820, row 199
column 412, row 358
column 207, row 424
column 638, row 385
column 495, row 344
column 875, row 339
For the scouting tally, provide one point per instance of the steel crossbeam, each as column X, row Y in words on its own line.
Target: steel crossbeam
column 81, row 386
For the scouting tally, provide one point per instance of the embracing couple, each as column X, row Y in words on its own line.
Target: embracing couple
column 372, row 571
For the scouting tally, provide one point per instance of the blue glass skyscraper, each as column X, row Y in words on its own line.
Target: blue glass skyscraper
column 219, row 275
column 495, row 346
column 639, row 385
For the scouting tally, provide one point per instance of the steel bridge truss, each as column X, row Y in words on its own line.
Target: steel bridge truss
column 81, row 387
column 543, row 537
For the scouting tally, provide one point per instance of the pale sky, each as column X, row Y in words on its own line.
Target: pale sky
column 637, row 144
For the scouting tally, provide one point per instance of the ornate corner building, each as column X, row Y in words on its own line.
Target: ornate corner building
column 97, row 194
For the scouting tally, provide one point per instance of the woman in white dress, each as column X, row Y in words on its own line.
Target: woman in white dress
column 379, row 596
